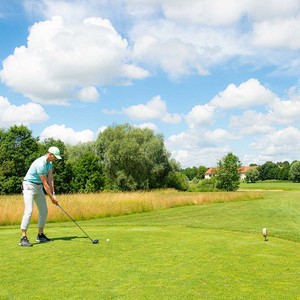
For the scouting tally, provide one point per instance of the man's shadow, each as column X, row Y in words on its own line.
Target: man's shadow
column 64, row 238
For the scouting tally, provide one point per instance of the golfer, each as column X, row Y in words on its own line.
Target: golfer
column 39, row 175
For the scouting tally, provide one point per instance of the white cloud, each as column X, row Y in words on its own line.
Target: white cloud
column 60, row 57
column 285, row 111
column 271, row 9
column 156, row 108
column 183, row 50
column 225, row 13
column 249, row 93
column 188, row 37
column 142, row 9
column 261, row 124
column 279, row 145
column 212, row 12
column 200, row 115
column 26, row 114
column 67, row 135
column 174, row 56
column 171, row 118
column 195, row 148
column 251, row 123
column 88, row 94
column 218, row 135
column 277, row 34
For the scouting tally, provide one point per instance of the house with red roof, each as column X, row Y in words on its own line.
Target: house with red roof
column 242, row 171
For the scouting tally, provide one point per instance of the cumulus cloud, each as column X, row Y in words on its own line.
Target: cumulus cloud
column 195, row 148
column 200, row 115
column 203, row 33
column 67, row 134
column 156, row 108
column 249, row 93
column 60, row 57
column 279, row 145
column 204, row 11
column 270, row 9
column 183, row 59
column 285, row 111
column 279, row 33
column 219, row 135
column 251, row 123
column 200, row 33
column 225, row 13
column 26, row 114
column 183, row 50
column 88, row 94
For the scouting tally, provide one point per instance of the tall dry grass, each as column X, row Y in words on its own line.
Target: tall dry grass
column 88, row 206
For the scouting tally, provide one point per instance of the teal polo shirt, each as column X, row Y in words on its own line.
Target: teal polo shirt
column 38, row 167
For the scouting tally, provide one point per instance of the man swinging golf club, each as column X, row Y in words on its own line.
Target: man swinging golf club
column 38, row 176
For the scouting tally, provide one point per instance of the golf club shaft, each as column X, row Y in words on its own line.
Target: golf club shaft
column 74, row 222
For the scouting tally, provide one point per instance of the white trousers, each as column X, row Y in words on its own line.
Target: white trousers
column 34, row 193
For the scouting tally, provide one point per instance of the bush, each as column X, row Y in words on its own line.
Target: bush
column 205, row 185
column 252, row 175
column 294, row 174
column 178, row 181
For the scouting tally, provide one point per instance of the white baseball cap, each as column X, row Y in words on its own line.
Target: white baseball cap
column 55, row 151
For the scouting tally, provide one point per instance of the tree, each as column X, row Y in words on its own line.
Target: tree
column 87, row 174
column 76, row 151
column 284, row 170
column 190, row 173
column 228, row 177
column 268, row 170
column 294, row 174
column 133, row 158
column 207, row 185
column 17, row 151
column 178, row 181
column 201, row 172
column 252, row 175
column 194, row 172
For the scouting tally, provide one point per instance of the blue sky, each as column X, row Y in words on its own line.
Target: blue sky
column 212, row 76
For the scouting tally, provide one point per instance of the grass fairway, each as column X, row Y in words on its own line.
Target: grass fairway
column 210, row 251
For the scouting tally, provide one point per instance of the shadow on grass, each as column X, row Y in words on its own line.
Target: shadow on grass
column 64, row 238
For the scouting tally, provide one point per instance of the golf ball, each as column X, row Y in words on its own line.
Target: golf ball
column 107, row 240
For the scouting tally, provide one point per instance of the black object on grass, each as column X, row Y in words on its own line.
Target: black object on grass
column 93, row 241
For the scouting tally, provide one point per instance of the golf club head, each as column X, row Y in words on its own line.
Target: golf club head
column 95, row 241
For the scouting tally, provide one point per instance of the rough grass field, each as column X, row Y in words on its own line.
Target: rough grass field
column 209, row 251
column 89, row 206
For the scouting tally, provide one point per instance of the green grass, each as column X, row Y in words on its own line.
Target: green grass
column 210, row 251
column 271, row 185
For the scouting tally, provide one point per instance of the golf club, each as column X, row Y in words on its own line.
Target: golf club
column 93, row 241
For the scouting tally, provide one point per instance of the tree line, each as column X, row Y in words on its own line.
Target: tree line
column 123, row 158
column 267, row 171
